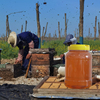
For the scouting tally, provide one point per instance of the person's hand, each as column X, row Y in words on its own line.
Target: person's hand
column 18, row 62
column 62, row 55
column 28, row 56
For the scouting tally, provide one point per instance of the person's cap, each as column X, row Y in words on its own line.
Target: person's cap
column 12, row 39
column 68, row 37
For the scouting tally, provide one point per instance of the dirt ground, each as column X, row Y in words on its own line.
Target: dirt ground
column 3, row 61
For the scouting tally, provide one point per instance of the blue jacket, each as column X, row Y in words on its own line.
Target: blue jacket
column 26, row 37
column 22, row 42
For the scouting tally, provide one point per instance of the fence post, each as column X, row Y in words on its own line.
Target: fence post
column 45, row 29
column 65, row 26
column 6, row 27
column 99, row 29
column 42, row 38
column 25, row 25
column 81, row 21
column 59, row 29
column 95, row 30
column 21, row 28
column 38, row 24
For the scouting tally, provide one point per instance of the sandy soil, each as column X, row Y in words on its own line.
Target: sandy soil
column 3, row 61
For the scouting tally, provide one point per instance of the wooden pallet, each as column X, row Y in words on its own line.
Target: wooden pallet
column 49, row 86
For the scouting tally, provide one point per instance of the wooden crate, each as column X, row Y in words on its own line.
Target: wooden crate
column 95, row 59
column 42, row 56
column 40, row 59
column 11, row 71
column 40, row 70
column 50, row 87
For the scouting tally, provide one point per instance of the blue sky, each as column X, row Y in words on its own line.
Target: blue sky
column 52, row 12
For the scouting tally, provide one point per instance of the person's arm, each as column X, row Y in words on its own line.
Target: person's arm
column 31, row 46
column 20, row 56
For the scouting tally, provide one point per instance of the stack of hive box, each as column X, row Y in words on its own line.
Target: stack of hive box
column 42, row 60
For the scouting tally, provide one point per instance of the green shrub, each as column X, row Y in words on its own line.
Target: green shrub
column 8, row 52
column 61, row 48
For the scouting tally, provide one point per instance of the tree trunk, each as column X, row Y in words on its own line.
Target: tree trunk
column 95, row 30
column 42, row 38
column 25, row 25
column 99, row 29
column 89, row 34
column 45, row 29
column 38, row 22
column 21, row 28
column 59, row 29
column 81, row 21
column 65, row 26
column 6, row 27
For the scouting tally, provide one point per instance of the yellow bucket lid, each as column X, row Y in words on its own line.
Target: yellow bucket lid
column 79, row 47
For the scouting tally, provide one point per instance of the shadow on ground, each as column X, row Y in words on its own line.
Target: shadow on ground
column 15, row 92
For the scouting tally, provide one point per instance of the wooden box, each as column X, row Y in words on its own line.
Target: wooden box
column 40, row 71
column 11, row 71
column 49, row 88
column 95, row 59
column 40, row 59
column 42, row 56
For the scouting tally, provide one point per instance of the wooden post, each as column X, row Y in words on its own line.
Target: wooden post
column 25, row 25
column 89, row 34
column 6, row 27
column 55, row 34
column 42, row 38
column 38, row 24
column 95, row 30
column 81, row 21
column 45, row 29
column 21, row 28
column 65, row 26
column 59, row 29
column 99, row 29
column 61, row 33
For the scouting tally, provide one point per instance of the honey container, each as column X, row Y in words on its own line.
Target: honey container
column 78, row 67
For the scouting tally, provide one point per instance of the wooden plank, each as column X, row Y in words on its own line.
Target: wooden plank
column 46, row 85
column 41, row 83
column 51, row 79
column 62, row 86
column 65, row 91
column 55, row 86
column 59, row 89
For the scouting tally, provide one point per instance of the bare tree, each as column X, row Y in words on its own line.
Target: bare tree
column 81, row 21
column 38, row 22
column 95, row 30
column 21, row 28
column 89, row 34
column 25, row 25
column 65, row 26
column 99, row 29
column 59, row 29
column 45, row 29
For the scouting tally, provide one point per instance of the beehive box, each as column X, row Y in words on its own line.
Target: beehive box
column 95, row 59
column 11, row 71
column 49, row 87
column 42, row 56
column 40, row 70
